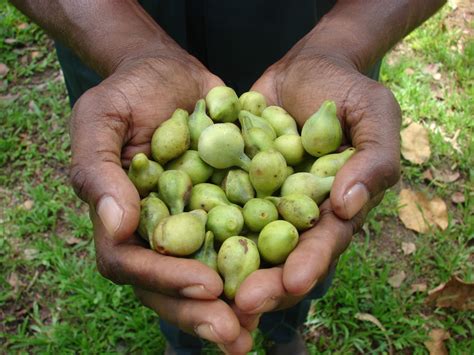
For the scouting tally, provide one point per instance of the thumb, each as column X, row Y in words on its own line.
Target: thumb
column 98, row 130
column 375, row 133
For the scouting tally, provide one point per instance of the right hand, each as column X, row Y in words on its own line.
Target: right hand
column 110, row 124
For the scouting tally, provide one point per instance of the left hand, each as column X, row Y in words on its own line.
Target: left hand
column 370, row 118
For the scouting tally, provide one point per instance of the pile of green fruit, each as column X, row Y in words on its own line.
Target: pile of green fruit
column 239, row 179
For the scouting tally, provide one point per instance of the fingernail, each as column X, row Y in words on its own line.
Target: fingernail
column 223, row 349
column 110, row 214
column 197, row 291
column 355, row 199
column 206, row 331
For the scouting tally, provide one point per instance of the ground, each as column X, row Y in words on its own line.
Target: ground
column 52, row 298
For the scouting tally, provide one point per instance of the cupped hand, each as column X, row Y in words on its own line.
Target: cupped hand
column 370, row 118
column 110, row 124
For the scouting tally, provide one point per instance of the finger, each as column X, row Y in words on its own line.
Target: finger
column 317, row 248
column 375, row 133
column 266, row 86
column 97, row 135
column 211, row 320
column 242, row 345
column 246, row 320
column 133, row 263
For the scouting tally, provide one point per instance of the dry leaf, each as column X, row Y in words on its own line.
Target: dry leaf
column 10, row 40
column 435, row 344
column 431, row 69
column 427, row 175
column 14, row 281
column 22, row 26
column 446, row 175
column 457, row 197
column 28, row 204
column 418, row 213
column 415, row 143
column 408, row 248
column 35, row 54
column 3, row 70
column 370, row 318
column 73, row 240
column 30, row 254
column 421, row 287
column 455, row 293
column 437, row 76
column 396, row 280
column 409, row 71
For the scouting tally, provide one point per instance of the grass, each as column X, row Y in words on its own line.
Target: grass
column 53, row 300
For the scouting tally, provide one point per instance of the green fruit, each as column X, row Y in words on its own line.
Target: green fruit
column 258, row 213
column 237, row 186
column 280, row 120
column 144, row 174
column 171, row 138
column 289, row 171
column 305, row 165
column 175, row 187
column 253, row 101
column 152, row 211
column 222, row 146
column 223, row 104
column 256, row 139
column 330, row 164
column 267, row 172
column 308, row 184
column 179, row 235
column 290, row 146
column 192, row 164
column 197, row 122
column 207, row 196
column 225, row 221
column 253, row 236
column 237, row 258
column 298, row 209
column 207, row 254
column 248, row 120
column 276, row 241
column 218, row 176
column 322, row 132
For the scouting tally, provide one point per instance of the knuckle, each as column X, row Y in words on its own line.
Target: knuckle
column 107, row 267
column 79, row 177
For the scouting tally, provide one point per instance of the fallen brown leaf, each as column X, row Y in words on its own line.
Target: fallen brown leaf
column 421, row 287
column 73, row 240
column 10, row 40
column 435, row 344
column 457, row 197
column 396, row 280
column 30, row 254
column 4, row 69
column 22, row 26
column 409, row 71
column 28, row 204
column 14, row 281
column 427, row 175
column 431, row 69
column 408, row 248
column 455, row 293
column 415, row 143
column 372, row 319
column 418, row 213
column 446, row 175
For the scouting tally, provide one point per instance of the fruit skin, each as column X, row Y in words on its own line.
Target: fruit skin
column 218, row 176
column 223, row 104
column 291, row 147
column 222, row 146
column 192, row 164
column 179, row 235
column 237, row 186
column 298, row 209
column 330, row 164
column 308, row 184
column 171, row 138
column 237, row 258
column 280, row 120
column 207, row 196
column 322, row 132
column 253, row 101
column 152, row 211
column 207, row 254
column 144, row 174
column 256, row 140
column 197, row 122
column 174, row 189
column 248, row 120
column 225, row 221
column 276, row 241
column 267, row 172
column 258, row 212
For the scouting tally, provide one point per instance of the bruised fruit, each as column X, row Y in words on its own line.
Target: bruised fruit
column 280, row 120
column 253, row 101
column 238, row 257
column 330, row 164
column 308, row 184
column 237, row 186
column 225, row 221
column 144, row 174
column 152, row 211
column 258, row 213
column 298, row 209
column 267, row 172
column 179, row 235
column 222, row 146
column 171, row 138
column 322, row 132
column 207, row 196
column 207, row 254
column 175, row 187
column 276, row 241
column 197, row 122
column 290, row 146
column 223, row 104
column 192, row 164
